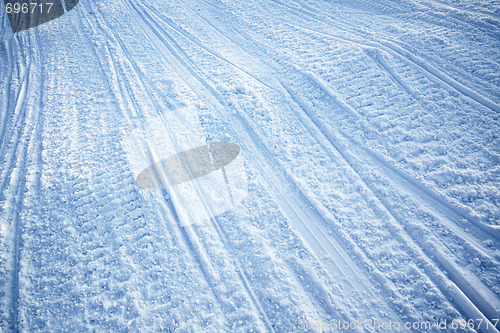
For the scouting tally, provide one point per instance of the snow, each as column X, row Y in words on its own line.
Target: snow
column 367, row 189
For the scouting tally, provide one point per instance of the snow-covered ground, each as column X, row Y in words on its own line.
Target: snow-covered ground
column 366, row 192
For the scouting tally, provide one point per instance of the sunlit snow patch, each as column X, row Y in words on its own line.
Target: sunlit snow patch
column 202, row 180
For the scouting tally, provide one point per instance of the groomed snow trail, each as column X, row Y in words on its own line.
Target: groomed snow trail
column 369, row 149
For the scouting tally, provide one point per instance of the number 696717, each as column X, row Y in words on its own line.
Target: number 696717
column 32, row 8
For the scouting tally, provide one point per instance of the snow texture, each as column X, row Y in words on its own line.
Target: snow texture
column 367, row 188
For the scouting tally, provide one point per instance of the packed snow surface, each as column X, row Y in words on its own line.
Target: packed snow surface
column 366, row 192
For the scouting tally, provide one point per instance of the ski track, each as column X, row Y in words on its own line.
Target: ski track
column 299, row 203
column 433, row 196
column 185, row 236
column 300, row 216
column 190, row 242
column 412, row 185
column 189, row 237
column 90, row 179
column 447, row 265
column 461, row 282
column 472, row 11
column 416, row 188
column 447, row 82
column 25, row 127
column 473, row 312
column 364, row 35
column 15, row 197
column 244, row 279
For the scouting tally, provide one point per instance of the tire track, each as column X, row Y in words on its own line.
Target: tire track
column 476, row 294
column 28, row 108
column 451, row 216
column 442, row 286
column 431, row 270
column 464, row 10
column 187, row 235
column 425, row 12
column 14, row 198
column 463, row 283
column 446, row 81
column 13, row 123
column 414, row 185
column 192, row 39
column 431, row 197
column 307, row 213
column 109, row 193
column 198, row 254
column 241, row 272
column 7, row 91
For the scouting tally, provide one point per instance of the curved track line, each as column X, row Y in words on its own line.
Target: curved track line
column 470, row 292
column 258, row 303
column 191, row 38
column 440, row 204
column 194, row 247
column 447, row 82
column 27, row 124
column 465, row 10
column 240, row 272
column 433, row 73
column 481, row 297
column 454, row 213
column 14, row 125
column 306, row 213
